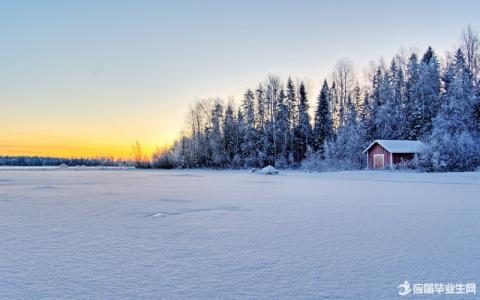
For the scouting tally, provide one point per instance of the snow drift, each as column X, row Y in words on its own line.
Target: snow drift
column 268, row 170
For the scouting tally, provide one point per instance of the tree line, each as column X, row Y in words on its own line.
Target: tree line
column 414, row 97
column 42, row 161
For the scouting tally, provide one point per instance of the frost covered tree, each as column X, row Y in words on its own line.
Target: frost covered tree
column 292, row 117
column 454, row 144
column 470, row 45
column 413, row 110
column 250, row 139
column 345, row 150
column 429, row 93
column 303, row 129
column 216, row 151
column 281, row 131
column 411, row 98
column 260, row 121
column 366, row 116
column 230, row 133
column 344, row 78
column 376, row 102
column 382, row 99
column 272, row 93
column 337, row 107
column 323, row 125
column 390, row 116
column 238, row 159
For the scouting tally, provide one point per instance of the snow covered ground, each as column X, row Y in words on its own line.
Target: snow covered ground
column 113, row 234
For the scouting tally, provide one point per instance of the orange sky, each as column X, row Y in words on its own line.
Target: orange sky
column 57, row 146
column 66, row 137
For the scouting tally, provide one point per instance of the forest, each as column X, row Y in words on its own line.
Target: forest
column 414, row 97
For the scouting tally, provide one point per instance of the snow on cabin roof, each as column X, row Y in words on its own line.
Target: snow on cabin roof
column 398, row 146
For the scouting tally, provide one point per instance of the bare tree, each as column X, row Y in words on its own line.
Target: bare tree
column 273, row 86
column 200, row 121
column 470, row 45
column 344, row 78
column 140, row 160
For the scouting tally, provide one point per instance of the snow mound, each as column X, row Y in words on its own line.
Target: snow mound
column 269, row 170
column 63, row 166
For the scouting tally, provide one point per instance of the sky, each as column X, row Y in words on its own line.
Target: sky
column 89, row 78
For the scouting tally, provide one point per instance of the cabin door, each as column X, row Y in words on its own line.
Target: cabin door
column 378, row 161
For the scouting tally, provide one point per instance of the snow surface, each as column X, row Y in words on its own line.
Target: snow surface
column 398, row 146
column 115, row 234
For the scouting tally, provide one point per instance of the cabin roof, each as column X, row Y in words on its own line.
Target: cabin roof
column 398, row 146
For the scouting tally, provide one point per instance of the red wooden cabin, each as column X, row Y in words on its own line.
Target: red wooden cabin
column 387, row 153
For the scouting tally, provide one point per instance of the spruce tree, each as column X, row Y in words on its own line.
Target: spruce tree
column 281, row 131
column 429, row 93
column 454, row 144
column 323, row 126
column 303, row 128
column 260, row 126
column 216, row 154
column 292, row 111
column 250, row 140
column 413, row 109
column 229, row 134
column 238, row 160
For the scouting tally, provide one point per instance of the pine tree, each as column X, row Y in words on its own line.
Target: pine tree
column 260, row 126
column 413, row 110
column 454, row 145
column 429, row 85
column 376, row 103
column 303, row 128
column 281, row 131
column 292, row 107
column 323, row 127
column 366, row 117
column 398, row 86
column 345, row 151
column 229, row 133
column 385, row 106
column 216, row 153
column 238, row 159
column 249, row 147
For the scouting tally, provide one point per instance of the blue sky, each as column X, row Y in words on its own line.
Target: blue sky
column 92, row 76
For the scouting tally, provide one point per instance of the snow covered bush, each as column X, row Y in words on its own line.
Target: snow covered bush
column 412, row 164
column 459, row 152
column 345, row 151
column 163, row 159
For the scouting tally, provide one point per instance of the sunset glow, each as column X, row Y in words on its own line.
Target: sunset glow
column 90, row 78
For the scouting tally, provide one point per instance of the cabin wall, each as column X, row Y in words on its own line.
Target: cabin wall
column 377, row 149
